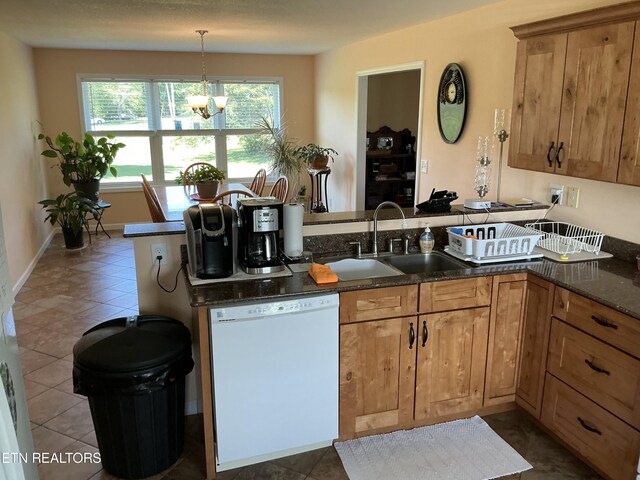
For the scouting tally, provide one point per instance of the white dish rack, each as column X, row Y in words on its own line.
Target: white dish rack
column 566, row 238
column 493, row 242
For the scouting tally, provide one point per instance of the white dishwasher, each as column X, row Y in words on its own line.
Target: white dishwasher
column 275, row 378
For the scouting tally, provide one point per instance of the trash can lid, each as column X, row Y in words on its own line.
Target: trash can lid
column 129, row 344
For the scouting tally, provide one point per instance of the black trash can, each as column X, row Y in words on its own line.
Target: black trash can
column 132, row 370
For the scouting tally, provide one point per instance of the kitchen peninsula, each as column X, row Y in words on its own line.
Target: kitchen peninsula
column 484, row 300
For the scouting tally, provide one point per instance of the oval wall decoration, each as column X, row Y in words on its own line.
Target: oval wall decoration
column 452, row 103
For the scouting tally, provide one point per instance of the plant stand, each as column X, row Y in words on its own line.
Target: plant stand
column 317, row 205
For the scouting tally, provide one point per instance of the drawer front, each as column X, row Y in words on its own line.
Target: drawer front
column 455, row 294
column 604, row 374
column 606, row 441
column 604, row 323
column 377, row 303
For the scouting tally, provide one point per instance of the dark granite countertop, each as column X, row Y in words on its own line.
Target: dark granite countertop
column 172, row 228
column 611, row 282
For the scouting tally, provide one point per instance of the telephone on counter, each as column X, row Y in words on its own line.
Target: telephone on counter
column 439, row 201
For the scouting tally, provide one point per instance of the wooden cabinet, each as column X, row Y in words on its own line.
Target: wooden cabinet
column 534, row 344
column 607, row 442
column 604, row 374
column 575, row 110
column 454, row 294
column 505, row 329
column 629, row 170
column 591, row 395
column 452, row 350
column 378, row 303
column 377, row 375
column 536, row 102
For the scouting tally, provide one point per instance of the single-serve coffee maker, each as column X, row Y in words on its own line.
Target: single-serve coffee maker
column 259, row 227
column 210, row 232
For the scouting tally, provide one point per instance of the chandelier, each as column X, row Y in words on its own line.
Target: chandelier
column 200, row 103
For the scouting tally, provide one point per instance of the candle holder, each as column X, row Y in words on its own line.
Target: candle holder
column 501, row 122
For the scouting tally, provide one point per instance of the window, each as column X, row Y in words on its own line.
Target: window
column 163, row 136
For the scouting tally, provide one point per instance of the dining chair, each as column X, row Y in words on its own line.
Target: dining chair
column 155, row 209
column 280, row 189
column 257, row 185
column 233, row 196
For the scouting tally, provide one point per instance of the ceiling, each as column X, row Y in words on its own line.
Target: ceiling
column 238, row 26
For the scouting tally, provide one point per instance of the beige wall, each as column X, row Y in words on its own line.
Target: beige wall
column 56, row 71
column 393, row 100
column 481, row 42
column 21, row 180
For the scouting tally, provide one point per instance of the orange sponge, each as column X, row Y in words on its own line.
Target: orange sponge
column 322, row 274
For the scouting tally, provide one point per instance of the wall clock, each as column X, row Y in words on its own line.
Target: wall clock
column 452, row 103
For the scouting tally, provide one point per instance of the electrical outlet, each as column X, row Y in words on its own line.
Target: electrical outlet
column 573, row 195
column 159, row 250
column 424, row 166
column 556, row 194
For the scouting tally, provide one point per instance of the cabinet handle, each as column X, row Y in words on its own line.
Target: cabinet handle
column 425, row 333
column 588, row 427
column 558, row 161
column 412, row 335
column 595, row 367
column 603, row 322
column 549, row 155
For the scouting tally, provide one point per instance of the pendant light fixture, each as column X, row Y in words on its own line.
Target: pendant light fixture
column 200, row 103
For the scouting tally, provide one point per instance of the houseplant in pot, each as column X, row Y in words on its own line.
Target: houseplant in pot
column 84, row 163
column 284, row 158
column 316, row 156
column 204, row 176
column 69, row 210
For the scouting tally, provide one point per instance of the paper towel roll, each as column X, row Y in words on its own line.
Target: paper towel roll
column 293, row 218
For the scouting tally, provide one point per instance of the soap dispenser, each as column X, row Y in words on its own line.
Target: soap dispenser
column 427, row 242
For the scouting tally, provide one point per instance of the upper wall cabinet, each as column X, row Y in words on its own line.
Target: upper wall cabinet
column 576, row 110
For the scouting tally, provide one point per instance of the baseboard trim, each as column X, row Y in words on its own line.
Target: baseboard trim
column 32, row 265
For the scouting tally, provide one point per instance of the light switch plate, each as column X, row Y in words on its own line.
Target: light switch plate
column 424, row 166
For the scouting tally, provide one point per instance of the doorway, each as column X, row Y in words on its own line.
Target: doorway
column 389, row 130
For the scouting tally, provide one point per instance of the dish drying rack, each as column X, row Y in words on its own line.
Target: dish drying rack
column 566, row 238
column 494, row 242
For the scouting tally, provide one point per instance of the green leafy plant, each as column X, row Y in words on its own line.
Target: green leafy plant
column 69, row 211
column 203, row 174
column 311, row 151
column 85, row 161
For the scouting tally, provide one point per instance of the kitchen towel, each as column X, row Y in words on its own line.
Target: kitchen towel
column 293, row 220
column 463, row 449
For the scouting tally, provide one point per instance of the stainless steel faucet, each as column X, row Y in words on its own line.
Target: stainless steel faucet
column 375, row 223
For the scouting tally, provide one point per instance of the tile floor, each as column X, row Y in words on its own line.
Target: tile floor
column 71, row 291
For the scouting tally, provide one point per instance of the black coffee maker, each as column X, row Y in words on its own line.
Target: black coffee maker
column 259, row 227
column 210, row 232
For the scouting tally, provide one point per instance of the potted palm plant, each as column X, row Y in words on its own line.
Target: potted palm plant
column 69, row 210
column 316, row 156
column 205, row 177
column 283, row 153
column 84, row 163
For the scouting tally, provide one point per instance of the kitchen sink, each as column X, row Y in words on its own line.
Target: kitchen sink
column 425, row 263
column 362, row 268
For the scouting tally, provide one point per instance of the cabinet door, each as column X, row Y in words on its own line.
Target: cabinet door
column 535, row 343
column 507, row 311
column 629, row 169
column 377, row 375
column 593, row 101
column 451, row 362
column 536, row 102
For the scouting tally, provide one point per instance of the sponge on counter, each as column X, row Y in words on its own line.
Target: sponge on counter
column 322, row 274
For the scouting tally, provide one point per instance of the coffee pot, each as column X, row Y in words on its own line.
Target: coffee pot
column 259, row 232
